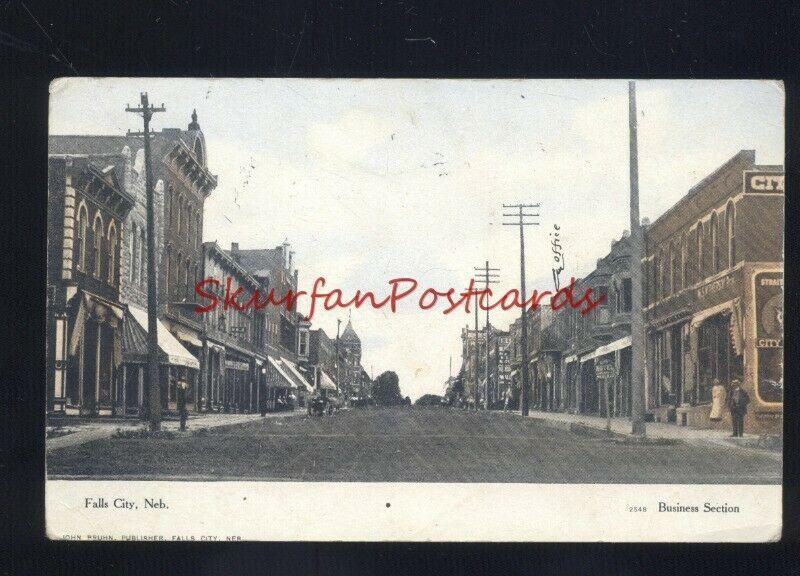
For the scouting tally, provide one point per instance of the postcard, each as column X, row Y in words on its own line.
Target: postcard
column 415, row 310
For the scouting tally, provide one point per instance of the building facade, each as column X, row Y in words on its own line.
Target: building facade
column 234, row 347
column 714, row 297
column 87, row 207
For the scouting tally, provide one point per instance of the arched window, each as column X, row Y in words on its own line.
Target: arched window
column 675, row 280
column 97, row 230
column 686, row 279
column 112, row 254
column 699, row 264
column 186, row 279
column 83, row 225
column 168, row 278
column 180, row 213
column 189, row 279
column 170, row 208
column 142, row 257
column 132, row 253
column 178, row 275
column 730, row 221
column 189, row 220
column 665, row 266
column 198, row 230
column 715, row 251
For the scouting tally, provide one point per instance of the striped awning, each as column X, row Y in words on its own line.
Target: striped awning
column 325, row 382
column 134, row 342
column 294, row 373
column 277, row 376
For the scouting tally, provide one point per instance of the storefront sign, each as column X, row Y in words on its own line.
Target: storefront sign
column 769, row 334
column 759, row 182
column 605, row 369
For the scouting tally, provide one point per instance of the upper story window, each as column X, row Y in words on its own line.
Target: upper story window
column 626, row 295
column 132, row 254
column 715, row 248
column 730, row 221
column 83, row 226
column 97, row 230
column 699, row 267
column 179, row 214
column 686, row 260
column 112, row 254
column 675, row 269
column 142, row 258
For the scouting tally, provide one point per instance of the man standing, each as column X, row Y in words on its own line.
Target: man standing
column 737, row 403
column 182, row 411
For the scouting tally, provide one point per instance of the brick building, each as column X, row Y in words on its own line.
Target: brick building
column 714, row 296
column 87, row 206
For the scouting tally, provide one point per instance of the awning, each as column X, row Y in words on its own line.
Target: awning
column 701, row 317
column 325, row 382
column 96, row 308
column 235, row 365
column 215, row 347
column 277, row 377
column 172, row 350
column 188, row 337
column 295, row 374
column 623, row 342
column 570, row 358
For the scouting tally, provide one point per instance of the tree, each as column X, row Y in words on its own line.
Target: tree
column 386, row 389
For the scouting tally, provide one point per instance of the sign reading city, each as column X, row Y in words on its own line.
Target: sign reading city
column 761, row 182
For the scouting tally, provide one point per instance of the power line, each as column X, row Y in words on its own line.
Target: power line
column 523, row 219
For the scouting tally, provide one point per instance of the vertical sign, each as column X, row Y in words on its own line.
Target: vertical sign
column 769, row 335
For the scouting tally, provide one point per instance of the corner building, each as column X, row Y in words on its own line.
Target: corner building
column 713, row 285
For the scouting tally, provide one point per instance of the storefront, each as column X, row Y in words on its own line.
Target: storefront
column 611, row 381
column 176, row 364
column 280, row 387
column 93, row 356
column 733, row 331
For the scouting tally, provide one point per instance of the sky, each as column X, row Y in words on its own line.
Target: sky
column 370, row 180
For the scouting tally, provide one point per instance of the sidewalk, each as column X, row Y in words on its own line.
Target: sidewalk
column 80, row 433
column 659, row 430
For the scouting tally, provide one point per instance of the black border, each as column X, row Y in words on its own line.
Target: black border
column 40, row 41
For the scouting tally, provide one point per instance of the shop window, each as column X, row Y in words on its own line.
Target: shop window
column 716, row 357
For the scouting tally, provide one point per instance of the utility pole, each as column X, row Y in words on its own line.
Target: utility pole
column 476, row 392
column 523, row 220
column 637, row 252
column 338, row 322
column 487, row 276
column 154, row 393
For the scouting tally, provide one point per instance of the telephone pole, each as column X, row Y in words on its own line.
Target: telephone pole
column 154, row 393
column 638, row 426
column 487, row 276
column 523, row 219
column 338, row 322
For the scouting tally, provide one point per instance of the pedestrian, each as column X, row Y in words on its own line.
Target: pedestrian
column 182, row 411
column 737, row 403
column 717, row 400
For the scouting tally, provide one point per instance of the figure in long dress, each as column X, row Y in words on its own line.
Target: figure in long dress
column 717, row 400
